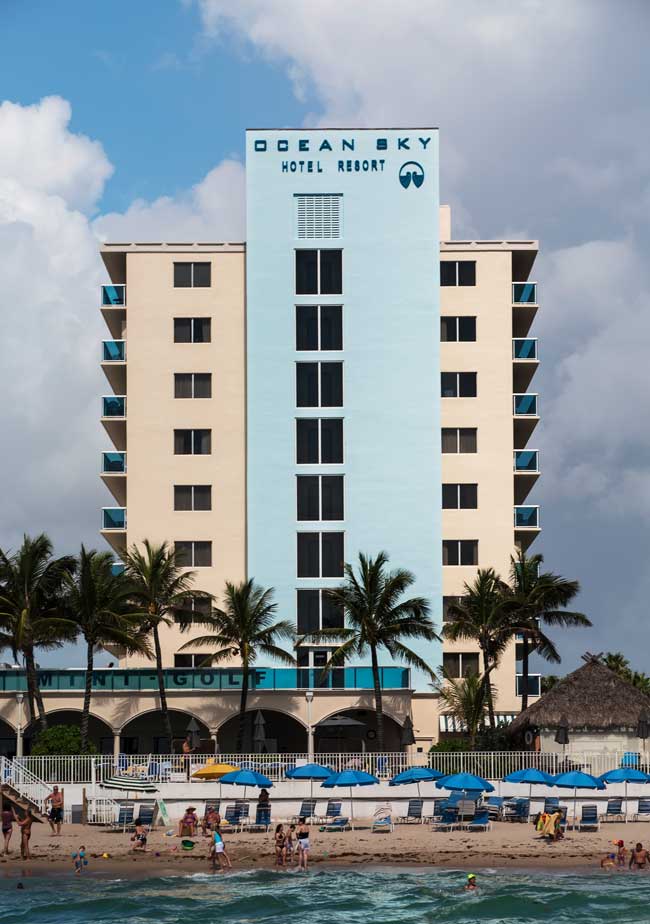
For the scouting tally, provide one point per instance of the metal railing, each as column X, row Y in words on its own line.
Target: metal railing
column 24, row 780
column 37, row 774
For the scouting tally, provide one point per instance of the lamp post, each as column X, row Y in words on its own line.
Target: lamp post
column 19, row 725
column 309, row 696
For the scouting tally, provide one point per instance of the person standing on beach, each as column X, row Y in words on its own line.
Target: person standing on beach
column 218, row 851
column 280, row 845
column 79, row 860
column 56, row 811
column 25, row 825
column 302, row 839
column 7, row 827
column 639, row 857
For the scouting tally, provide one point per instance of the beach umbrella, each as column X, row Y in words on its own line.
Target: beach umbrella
column 350, row 778
column 247, row 778
column 128, row 784
column 530, row 775
column 465, row 782
column 415, row 775
column 310, row 772
column 625, row 775
column 575, row 780
column 213, row 771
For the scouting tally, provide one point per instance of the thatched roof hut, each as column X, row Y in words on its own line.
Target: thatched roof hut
column 592, row 699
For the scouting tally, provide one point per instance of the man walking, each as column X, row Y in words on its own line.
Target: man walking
column 56, row 810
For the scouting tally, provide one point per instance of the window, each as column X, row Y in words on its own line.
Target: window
column 192, row 275
column 319, row 327
column 192, row 497
column 461, row 329
column 459, row 496
column 192, row 442
column 460, row 552
column 320, row 554
column 192, row 384
column 319, row 441
column 320, row 497
column 319, row 272
column 446, row 603
column 319, row 384
column 193, row 554
column 460, row 663
column 458, row 384
column 191, row 660
column 316, row 611
column 458, row 273
column 459, row 439
column 192, row 330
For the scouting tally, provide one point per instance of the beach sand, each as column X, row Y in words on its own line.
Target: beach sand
column 516, row 846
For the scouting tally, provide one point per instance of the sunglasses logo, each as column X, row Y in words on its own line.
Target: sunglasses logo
column 411, row 172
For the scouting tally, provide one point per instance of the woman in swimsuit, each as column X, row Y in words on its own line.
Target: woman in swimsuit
column 302, row 837
column 280, row 845
column 7, row 828
column 25, row 826
column 639, row 857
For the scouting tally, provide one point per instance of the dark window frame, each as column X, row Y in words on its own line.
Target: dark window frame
column 194, row 324
column 322, row 483
column 320, row 373
column 207, row 376
column 455, row 550
column 454, row 491
column 449, row 277
column 195, row 436
column 319, row 270
column 193, row 544
column 192, row 489
column 320, row 455
column 453, row 321
column 321, row 534
column 319, row 347
column 194, row 274
column 457, row 383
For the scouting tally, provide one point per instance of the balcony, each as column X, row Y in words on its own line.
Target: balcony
column 117, row 568
column 526, row 470
column 208, row 679
column 524, row 348
column 114, row 419
column 114, row 528
column 524, row 307
column 113, row 351
column 534, row 684
column 114, row 364
column 524, row 293
column 114, row 406
column 113, row 474
column 525, row 362
column 114, row 296
column 526, row 522
column 525, row 411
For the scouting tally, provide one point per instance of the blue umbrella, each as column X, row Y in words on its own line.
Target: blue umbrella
column 247, row 778
column 575, row 780
column 415, row 775
column 350, row 778
column 310, row 772
column 530, row 775
column 625, row 775
column 465, row 782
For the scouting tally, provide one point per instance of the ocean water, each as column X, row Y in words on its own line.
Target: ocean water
column 328, row 897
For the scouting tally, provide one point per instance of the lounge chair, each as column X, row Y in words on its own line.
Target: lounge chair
column 589, row 818
column 332, row 812
column 340, row 823
column 262, row 820
column 551, row 805
column 125, row 814
column 519, row 810
column 307, row 811
column 480, row 822
column 382, row 820
column 413, row 813
column 614, row 811
column 643, row 810
column 146, row 812
column 494, row 805
column 439, row 806
column 631, row 759
column 466, row 810
column 447, row 821
column 233, row 816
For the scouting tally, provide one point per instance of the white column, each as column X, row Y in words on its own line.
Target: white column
column 116, row 748
column 19, row 725
column 309, row 696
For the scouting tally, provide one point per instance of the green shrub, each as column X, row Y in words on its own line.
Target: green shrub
column 60, row 739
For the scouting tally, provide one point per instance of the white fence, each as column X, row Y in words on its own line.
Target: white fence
column 175, row 768
column 23, row 780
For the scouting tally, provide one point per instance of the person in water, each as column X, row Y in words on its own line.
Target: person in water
column 218, row 852
column 302, row 839
column 7, row 827
column 639, row 857
column 79, row 860
column 608, row 861
column 472, row 884
column 621, row 853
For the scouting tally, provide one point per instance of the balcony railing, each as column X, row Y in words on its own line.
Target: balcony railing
column 211, row 678
column 114, row 296
column 524, row 348
column 527, row 517
column 113, row 463
column 113, row 517
column 526, row 460
column 113, row 351
column 524, row 293
column 117, row 568
column 526, row 405
column 534, row 685
column 114, row 406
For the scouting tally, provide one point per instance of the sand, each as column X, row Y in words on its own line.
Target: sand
column 516, row 846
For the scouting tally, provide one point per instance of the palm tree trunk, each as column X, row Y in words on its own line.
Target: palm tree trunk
column 241, row 730
column 379, row 706
column 85, row 712
column 488, row 691
column 167, row 725
column 524, row 673
column 34, row 694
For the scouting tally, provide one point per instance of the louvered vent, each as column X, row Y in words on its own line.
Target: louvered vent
column 319, row 216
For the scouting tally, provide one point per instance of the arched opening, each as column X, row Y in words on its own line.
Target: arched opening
column 145, row 734
column 99, row 732
column 267, row 732
column 7, row 740
column 355, row 731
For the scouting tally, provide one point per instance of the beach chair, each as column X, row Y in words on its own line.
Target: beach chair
column 447, row 820
column 332, row 812
column 307, row 811
column 494, row 806
column 262, row 820
column 339, row 823
column 630, row 760
column 614, row 811
column 125, row 814
column 643, row 810
column 551, row 805
column 233, row 816
column 589, row 818
column 382, row 819
column 146, row 811
column 438, row 807
column 413, row 813
column 466, row 809
column 480, row 822
column 519, row 810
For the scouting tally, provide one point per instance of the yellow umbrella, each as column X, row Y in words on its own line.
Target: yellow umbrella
column 213, row 771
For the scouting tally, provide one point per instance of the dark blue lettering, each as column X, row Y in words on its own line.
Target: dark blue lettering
column 348, row 145
column 303, row 144
column 260, row 144
column 424, row 141
column 325, row 145
column 285, row 166
column 382, row 144
column 283, row 145
column 403, row 144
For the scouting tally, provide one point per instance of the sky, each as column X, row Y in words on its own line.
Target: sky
column 123, row 120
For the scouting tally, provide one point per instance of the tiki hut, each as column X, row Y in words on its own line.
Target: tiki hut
column 592, row 709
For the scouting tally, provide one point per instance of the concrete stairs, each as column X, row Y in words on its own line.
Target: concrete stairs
column 20, row 802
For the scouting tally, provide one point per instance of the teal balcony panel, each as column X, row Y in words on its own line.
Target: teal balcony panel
column 524, row 348
column 526, row 460
column 527, row 517
column 113, row 351
column 114, row 406
column 114, row 518
column 524, row 293
column 117, row 568
column 534, row 685
column 526, row 405
column 113, row 463
column 114, row 296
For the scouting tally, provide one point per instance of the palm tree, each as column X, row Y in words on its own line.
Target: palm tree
column 377, row 617
column 163, row 592
column 537, row 599
column 31, row 582
column 99, row 606
column 241, row 629
column 466, row 699
column 481, row 616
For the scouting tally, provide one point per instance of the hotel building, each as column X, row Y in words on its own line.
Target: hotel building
column 348, row 379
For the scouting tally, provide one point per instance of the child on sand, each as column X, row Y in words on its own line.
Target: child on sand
column 139, row 839
column 218, row 851
column 608, row 861
column 79, row 860
column 621, row 853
